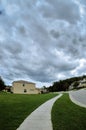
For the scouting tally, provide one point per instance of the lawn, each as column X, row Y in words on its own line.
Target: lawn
column 14, row 108
column 68, row 116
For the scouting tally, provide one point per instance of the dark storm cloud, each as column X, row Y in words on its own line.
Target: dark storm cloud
column 43, row 72
column 55, row 34
column 14, row 48
column 60, row 9
column 42, row 41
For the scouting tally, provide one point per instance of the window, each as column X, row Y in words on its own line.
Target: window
column 23, row 85
column 25, row 90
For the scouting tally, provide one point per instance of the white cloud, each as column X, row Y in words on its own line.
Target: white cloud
column 81, row 68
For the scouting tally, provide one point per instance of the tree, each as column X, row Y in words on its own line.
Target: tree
column 63, row 85
column 2, row 84
column 76, row 83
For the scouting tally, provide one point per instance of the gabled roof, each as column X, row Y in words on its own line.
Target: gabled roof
column 23, row 81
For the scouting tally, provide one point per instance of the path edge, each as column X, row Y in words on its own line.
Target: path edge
column 76, row 102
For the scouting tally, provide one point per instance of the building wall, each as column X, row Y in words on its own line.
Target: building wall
column 82, row 84
column 24, row 88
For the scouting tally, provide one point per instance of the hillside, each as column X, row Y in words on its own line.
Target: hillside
column 64, row 85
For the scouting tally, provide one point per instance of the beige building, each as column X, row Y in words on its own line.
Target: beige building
column 24, row 87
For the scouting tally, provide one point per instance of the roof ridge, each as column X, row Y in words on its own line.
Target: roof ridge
column 19, row 81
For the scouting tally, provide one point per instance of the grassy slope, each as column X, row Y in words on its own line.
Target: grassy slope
column 68, row 116
column 15, row 108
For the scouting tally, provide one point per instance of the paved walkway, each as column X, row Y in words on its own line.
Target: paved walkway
column 40, row 119
column 78, row 97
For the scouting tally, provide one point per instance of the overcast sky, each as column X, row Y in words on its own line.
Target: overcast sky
column 42, row 40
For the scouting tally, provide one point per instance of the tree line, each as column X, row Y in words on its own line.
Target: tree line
column 63, row 85
column 2, row 84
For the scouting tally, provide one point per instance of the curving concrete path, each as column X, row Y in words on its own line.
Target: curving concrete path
column 78, row 97
column 40, row 119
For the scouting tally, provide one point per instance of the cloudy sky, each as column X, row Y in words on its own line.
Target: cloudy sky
column 42, row 40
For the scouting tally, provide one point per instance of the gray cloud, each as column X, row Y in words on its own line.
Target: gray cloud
column 55, row 34
column 42, row 41
column 82, row 2
column 60, row 9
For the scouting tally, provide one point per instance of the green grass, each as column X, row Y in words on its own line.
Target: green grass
column 68, row 116
column 14, row 108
